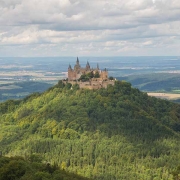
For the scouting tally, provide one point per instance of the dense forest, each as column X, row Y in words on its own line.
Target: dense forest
column 117, row 133
column 31, row 168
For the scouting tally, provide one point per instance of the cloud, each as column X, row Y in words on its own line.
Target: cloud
column 87, row 27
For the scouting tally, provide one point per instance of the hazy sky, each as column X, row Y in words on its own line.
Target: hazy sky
column 89, row 27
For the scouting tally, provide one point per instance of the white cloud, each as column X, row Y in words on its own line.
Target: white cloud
column 88, row 27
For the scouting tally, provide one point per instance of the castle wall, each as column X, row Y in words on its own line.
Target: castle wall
column 106, row 83
column 104, row 75
column 72, row 75
column 78, row 76
column 92, row 84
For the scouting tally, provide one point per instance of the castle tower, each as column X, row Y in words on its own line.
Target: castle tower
column 104, row 74
column 97, row 66
column 70, row 73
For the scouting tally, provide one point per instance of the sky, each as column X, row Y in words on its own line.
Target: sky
column 40, row 28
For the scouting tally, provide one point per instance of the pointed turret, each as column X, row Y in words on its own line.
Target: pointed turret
column 69, row 68
column 77, row 61
column 87, row 66
column 77, row 66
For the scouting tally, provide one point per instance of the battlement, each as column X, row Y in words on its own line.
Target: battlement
column 87, row 77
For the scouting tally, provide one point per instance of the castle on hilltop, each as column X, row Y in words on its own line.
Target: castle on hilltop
column 87, row 77
column 78, row 71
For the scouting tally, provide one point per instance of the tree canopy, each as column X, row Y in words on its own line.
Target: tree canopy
column 18, row 168
column 114, row 133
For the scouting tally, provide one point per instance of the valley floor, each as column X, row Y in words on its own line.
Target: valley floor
column 165, row 96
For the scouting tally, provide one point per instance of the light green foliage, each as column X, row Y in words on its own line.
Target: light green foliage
column 106, row 134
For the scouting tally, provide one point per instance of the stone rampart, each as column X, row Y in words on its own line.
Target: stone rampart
column 92, row 84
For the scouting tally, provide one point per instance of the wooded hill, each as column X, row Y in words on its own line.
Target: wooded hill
column 155, row 82
column 106, row 134
column 31, row 168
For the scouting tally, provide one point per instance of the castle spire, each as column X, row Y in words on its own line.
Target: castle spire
column 69, row 68
column 77, row 66
column 87, row 65
column 97, row 66
column 77, row 61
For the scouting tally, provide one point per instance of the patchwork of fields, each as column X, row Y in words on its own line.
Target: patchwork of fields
column 20, row 77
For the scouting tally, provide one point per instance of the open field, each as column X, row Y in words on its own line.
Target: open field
column 165, row 96
column 18, row 81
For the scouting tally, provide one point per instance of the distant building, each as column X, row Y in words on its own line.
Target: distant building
column 75, row 74
column 99, row 78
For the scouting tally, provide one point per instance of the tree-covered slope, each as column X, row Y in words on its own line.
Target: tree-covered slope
column 31, row 168
column 113, row 133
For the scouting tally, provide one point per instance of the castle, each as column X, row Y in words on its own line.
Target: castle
column 90, row 78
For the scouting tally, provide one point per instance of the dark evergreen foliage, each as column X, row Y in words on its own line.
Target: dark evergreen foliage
column 18, row 168
column 88, row 76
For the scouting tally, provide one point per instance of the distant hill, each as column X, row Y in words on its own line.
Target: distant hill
column 158, row 82
column 19, row 90
column 114, row 133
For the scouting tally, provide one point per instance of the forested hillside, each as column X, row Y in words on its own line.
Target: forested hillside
column 118, row 133
column 31, row 168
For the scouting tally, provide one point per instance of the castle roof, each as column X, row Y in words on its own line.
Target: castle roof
column 69, row 67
